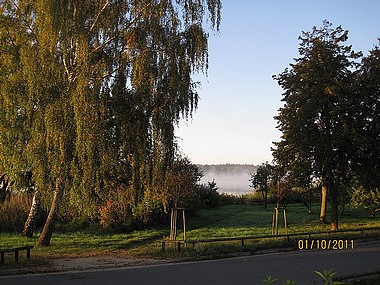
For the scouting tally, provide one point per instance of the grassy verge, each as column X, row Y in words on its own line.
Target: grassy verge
column 226, row 221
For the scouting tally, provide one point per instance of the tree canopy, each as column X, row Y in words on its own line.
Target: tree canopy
column 328, row 120
column 91, row 92
column 261, row 180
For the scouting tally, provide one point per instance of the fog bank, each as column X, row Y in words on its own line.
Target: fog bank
column 229, row 178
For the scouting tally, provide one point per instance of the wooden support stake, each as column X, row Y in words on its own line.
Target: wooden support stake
column 16, row 255
column 163, row 246
column 175, row 224
column 184, row 225
column 28, row 253
column 285, row 222
column 171, row 224
column 276, row 221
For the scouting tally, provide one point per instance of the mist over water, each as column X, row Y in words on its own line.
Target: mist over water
column 229, row 178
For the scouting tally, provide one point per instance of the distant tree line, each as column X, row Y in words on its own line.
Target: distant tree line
column 228, row 168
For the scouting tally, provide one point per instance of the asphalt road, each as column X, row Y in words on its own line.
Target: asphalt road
column 296, row 265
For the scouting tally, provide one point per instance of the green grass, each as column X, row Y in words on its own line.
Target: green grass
column 226, row 221
column 251, row 220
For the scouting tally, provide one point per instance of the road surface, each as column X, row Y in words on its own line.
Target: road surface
column 296, row 265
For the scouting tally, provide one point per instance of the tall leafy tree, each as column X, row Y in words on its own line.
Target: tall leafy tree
column 91, row 91
column 261, row 181
column 316, row 117
column 367, row 120
column 181, row 183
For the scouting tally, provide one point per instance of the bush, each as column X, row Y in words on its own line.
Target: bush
column 149, row 211
column 112, row 216
column 13, row 214
column 369, row 199
column 208, row 195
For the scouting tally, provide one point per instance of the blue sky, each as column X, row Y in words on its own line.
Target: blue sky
column 238, row 99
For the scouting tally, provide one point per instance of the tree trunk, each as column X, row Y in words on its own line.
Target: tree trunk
column 30, row 223
column 322, row 216
column 266, row 198
column 333, row 199
column 310, row 201
column 48, row 230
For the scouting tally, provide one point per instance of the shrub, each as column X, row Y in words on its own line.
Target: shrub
column 208, row 195
column 13, row 213
column 148, row 211
column 369, row 199
column 112, row 216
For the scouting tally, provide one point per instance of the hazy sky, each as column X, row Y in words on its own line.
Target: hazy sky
column 234, row 122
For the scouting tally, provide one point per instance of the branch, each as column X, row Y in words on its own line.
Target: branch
column 97, row 16
column 117, row 33
column 105, row 43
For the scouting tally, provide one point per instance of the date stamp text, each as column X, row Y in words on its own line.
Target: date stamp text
column 325, row 244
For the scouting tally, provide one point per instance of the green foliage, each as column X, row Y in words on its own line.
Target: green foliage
column 261, row 180
column 368, row 120
column 325, row 138
column 71, row 240
column 149, row 211
column 307, row 196
column 208, row 195
column 180, row 185
column 90, row 93
column 289, row 282
column 328, row 276
column 369, row 199
column 110, row 216
column 269, row 280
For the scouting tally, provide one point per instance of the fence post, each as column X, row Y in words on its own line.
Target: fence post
column 285, row 223
column 163, row 246
column 28, row 253
column 16, row 255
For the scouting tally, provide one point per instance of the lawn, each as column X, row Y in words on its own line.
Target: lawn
column 226, row 221
column 251, row 220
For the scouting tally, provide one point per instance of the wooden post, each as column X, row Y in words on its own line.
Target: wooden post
column 276, row 210
column 184, row 224
column 163, row 246
column 273, row 217
column 28, row 253
column 175, row 223
column 285, row 222
column 171, row 224
column 16, row 255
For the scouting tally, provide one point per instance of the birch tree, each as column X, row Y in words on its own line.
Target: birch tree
column 91, row 91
